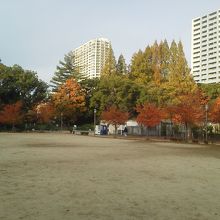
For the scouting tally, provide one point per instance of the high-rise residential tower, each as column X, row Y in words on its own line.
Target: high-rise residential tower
column 205, row 52
column 91, row 57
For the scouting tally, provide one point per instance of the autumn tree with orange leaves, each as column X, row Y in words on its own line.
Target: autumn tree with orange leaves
column 69, row 100
column 45, row 112
column 12, row 114
column 215, row 111
column 189, row 111
column 149, row 115
column 115, row 117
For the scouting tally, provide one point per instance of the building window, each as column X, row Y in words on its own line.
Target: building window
column 196, row 43
column 212, row 68
column 211, row 19
column 195, row 25
column 197, row 29
column 198, row 19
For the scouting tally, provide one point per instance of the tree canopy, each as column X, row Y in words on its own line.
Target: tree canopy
column 69, row 100
column 66, row 70
column 110, row 64
column 18, row 84
column 115, row 90
column 121, row 67
column 158, row 78
column 11, row 114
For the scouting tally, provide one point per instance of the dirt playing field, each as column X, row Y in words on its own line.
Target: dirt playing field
column 62, row 176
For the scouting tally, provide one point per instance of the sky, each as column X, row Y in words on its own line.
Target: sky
column 36, row 34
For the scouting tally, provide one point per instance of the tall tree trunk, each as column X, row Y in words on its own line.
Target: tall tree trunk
column 188, row 132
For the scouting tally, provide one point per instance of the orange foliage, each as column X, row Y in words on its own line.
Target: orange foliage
column 69, row 97
column 204, row 99
column 149, row 115
column 189, row 111
column 45, row 112
column 215, row 111
column 114, row 116
column 11, row 114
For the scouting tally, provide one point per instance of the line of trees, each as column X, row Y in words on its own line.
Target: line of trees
column 156, row 85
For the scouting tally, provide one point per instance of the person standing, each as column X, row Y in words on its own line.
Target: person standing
column 125, row 131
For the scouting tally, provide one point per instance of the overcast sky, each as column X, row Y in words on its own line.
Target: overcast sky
column 37, row 33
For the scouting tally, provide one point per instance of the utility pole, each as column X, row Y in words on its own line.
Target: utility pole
column 206, row 123
column 61, row 121
column 94, row 120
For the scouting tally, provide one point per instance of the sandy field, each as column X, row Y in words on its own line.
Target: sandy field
column 62, row 176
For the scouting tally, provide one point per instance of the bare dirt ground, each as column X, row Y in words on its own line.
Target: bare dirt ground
column 62, row 176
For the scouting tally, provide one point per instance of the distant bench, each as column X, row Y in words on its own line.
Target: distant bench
column 79, row 132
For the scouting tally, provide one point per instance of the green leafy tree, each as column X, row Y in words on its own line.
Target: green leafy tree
column 66, row 70
column 211, row 90
column 154, row 93
column 24, row 85
column 180, row 81
column 110, row 64
column 90, row 87
column 115, row 90
column 164, row 54
column 121, row 67
column 141, row 66
column 178, row 65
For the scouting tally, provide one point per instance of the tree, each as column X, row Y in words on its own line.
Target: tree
column 31, row 89
column 69, row 100
column 215, row 111
column 66, row 70
column 164, row 53
column 154, row 92
column 148, row 115
column 115, row 117
column 115, row 90
column 30, row 118
column 156, row 63
column 189, row 111
column 121, row 67
column 152, row 64
column 110, row 65
column 178, row 65
column 212, row 90
column 11, row 114
column 18, row 84
column 90, row 87
column 45, row 112
column 141, row 66
column 180, row 81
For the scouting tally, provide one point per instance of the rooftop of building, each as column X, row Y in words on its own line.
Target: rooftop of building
column 96, row 39
column 207, row 14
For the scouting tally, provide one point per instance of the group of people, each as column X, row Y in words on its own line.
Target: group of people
column 104, row 130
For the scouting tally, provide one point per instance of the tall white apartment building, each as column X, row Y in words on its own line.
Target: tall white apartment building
column 205, row 56
column 91, row 57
